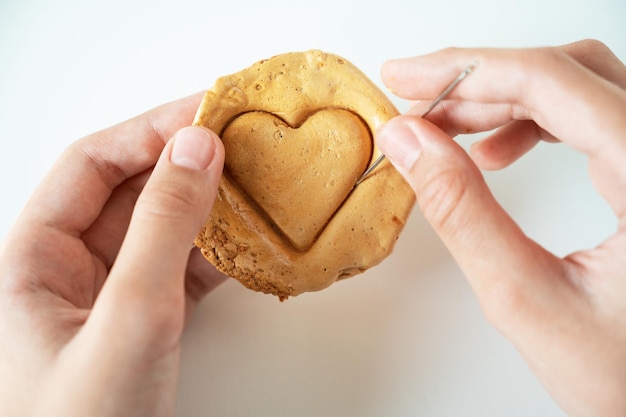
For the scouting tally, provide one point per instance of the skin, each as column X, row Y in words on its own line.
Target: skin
column 97, row 282
column 566, row 316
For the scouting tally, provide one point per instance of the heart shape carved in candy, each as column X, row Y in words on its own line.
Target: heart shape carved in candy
column 281, row 168
column 297, row 133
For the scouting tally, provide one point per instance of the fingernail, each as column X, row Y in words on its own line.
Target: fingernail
column 399, row 142
column 193, row 148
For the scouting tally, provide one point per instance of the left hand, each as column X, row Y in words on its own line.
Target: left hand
column 97, row 277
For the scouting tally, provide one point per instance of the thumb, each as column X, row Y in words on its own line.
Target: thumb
column 495, row 255
column 144, row 295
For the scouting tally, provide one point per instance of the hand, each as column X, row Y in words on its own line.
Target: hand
column 97, row 277
column 567, row 317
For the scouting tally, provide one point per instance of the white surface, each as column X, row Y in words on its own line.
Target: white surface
column 407, row 338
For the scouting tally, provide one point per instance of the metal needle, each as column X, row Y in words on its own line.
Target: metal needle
column 467, row 71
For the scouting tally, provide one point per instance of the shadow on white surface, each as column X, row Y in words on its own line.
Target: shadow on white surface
column 403, row 339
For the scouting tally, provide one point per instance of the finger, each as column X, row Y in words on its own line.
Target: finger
column 507, row 144
column 408, row 81
column 144, row 296
column 104, row 239
column 200, row 279
column 105, row 235
column 545, row 85
column 457, row 116
column 90, row 169
column 596, row 56
column 499, row 260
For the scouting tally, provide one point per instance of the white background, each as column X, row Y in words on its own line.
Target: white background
column 407, row 338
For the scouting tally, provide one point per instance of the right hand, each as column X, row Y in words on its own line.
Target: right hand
column 567, row 317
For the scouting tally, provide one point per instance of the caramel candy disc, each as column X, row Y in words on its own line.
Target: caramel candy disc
column 297, row 129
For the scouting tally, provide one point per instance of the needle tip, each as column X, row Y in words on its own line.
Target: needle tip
column 370, row 169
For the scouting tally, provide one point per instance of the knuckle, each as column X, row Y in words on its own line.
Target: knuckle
column 503, row 302
column 169, row 199
column 92, row 151
column 541, row 61
column 441, row 198
column 450, row 50
column 145, row 326
column 539, row 69
column 594, row 47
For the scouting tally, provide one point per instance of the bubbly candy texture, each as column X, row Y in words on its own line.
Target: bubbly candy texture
column 298, row 132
